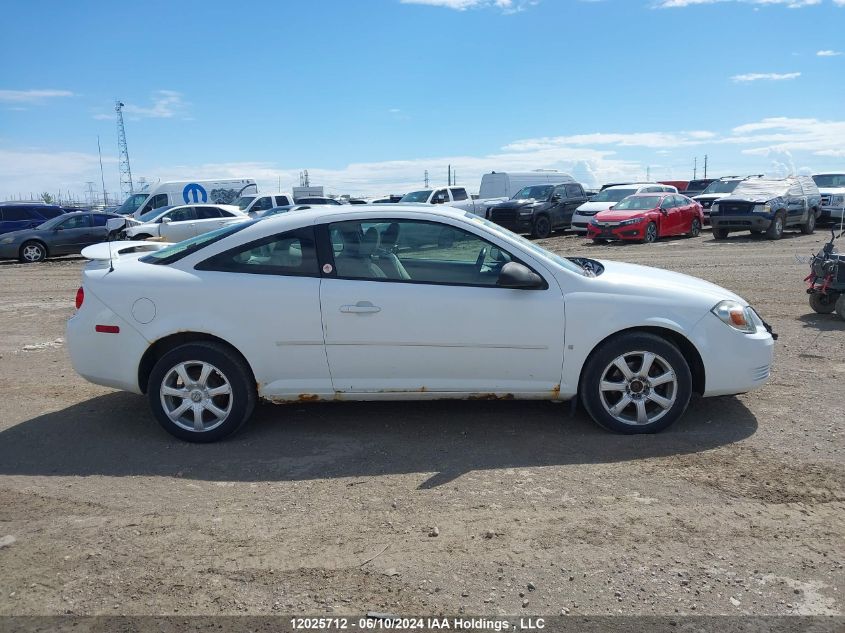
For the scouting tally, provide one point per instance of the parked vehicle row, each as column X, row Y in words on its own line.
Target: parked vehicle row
column 177, row 223
column 646, row 217
column 64, row 234
column 610, row 196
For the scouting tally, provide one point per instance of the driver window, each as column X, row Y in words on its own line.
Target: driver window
column 667, row 203
column 440, row 196
column 414, row 251
column 180, row 215
column 77, row 222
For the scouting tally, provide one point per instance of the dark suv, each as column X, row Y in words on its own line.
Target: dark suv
column 16, row 216
column 540, row 209
column 767, row 205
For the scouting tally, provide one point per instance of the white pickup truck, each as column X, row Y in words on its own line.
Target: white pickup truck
column 456, row 197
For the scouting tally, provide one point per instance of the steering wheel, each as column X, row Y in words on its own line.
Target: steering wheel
column 479, row 263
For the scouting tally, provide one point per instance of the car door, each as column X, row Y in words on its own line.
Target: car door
column 99, row 232
column 669, row 213
column 208, row 219
column 178, row 224
column 71, row 235
column 403, row 315
column 557, row 206
column 574, row 198
column 270, row 306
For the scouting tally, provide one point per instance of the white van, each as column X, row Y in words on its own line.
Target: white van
column 505, row 184
column 186, row 192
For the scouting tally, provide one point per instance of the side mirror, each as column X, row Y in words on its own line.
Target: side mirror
column 166, row 220
column 518, row 276
column 556, row 198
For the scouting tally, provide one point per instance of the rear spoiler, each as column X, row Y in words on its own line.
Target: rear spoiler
column 106, row 251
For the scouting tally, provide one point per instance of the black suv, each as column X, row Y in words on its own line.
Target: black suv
column 540, row 209
column 16, row 216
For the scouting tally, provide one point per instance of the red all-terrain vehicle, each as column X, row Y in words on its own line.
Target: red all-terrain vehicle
column 826, row 281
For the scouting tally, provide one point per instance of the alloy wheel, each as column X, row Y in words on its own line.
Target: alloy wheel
column 196, row 396
column 638, row 388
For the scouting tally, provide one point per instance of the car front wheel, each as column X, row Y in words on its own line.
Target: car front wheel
column 775, row 230
column 201, row 392
column 32, row 252
column 636, row 383
column 650, row 233
column 720, row 234
column 542, row 227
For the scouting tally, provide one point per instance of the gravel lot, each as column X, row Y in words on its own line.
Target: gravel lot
column 332, row 508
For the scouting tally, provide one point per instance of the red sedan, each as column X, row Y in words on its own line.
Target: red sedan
column 644, row 217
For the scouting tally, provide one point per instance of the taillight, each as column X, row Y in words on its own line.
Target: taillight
column 80, row 297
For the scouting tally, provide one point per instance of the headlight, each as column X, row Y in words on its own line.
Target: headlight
column 714, row 208
column 762, row 208
column 631, row 221
column 837, row 200
column 736, row 315
column 527, row 212
column 7, row 240
column 594, row 222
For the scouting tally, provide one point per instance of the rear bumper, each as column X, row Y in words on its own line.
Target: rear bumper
column 740, row 222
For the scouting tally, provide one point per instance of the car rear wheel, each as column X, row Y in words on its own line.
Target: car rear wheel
column 32, row 252
column 542, row 227
column 810, row 225
column 650, row 233
column 201, row 392
column 775, row 230
column 823, row 303
column 636, row 383
column 695, row 228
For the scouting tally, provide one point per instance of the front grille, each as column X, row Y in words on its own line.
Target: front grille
column 706, row 203
column 736, row 208
column 587, row 213
column 503, row 215
column 826, row 200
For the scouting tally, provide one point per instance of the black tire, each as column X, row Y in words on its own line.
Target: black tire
column 695, row 228
column 630, row 344
column 542, row 227
column 32, row 252
column 240, row 401
column 650, row 235
column 599, row 240
column 756, row 232
column 823, row 304
column 840, row 306
column 775, row 230
column 809, row 227
column 720, row 234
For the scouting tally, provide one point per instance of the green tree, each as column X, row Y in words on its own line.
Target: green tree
column 46, row 198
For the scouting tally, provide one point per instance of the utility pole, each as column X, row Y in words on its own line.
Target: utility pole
column 126, row 188
column 102, row 177
column 695, row 167
column 705, row 165
column 449, row 175
column 648, row 173
column 426, row 179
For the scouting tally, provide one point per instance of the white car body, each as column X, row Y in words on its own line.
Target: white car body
column 164, row 225
column 252, row 202
column 584, row 214
column 452, row 196
column 323, row 337
column 833, row 199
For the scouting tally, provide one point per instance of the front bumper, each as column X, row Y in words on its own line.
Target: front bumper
column 734, row 362
column 580, row 224
column 10, row 251
column 831, row 214
column 518, row 224
column 740, row 222
column 625, row 232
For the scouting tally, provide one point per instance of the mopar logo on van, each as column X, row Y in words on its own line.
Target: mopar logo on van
column 195, row 191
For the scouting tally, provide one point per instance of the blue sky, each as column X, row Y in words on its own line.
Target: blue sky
column 368, row 94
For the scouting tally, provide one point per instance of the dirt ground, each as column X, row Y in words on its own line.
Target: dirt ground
column 330, row 508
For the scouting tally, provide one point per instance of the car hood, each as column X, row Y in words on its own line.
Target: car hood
column 518, row 204
column 618, row 216
column 705, row 197
column 835, row 191
column 639, row 280
column 24, row 234
column 594, row 207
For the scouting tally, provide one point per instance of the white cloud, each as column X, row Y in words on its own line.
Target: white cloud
column 33, row 170
column 31, row 96
column 166, row 104
column 506, row 6
column 828, row 53
column 764, row 77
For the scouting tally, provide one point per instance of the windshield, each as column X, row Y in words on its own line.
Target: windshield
column 49, row 224
column 416, row 196
column 132, row 203
column 721, row 186
column 528, row 244
column 829, row 180
column 183, row 249
column 539, row 192
column 612, row 195
column 243, row 202
column 149, row 216
column 638, row 203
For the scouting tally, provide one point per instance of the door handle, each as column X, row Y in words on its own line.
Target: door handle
column 362, row 307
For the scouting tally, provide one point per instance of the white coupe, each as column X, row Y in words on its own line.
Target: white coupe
column 401, row 302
